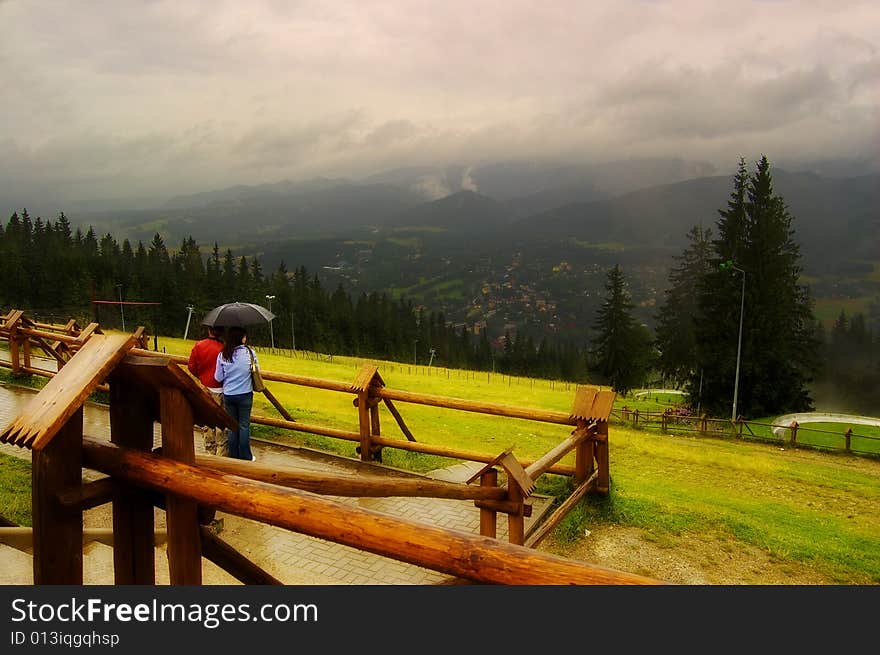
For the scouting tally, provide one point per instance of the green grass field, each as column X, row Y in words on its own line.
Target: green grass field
column 803, row 508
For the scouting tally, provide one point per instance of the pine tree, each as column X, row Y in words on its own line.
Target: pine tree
column 621, row 347
column 755, row 273
column 676, row 338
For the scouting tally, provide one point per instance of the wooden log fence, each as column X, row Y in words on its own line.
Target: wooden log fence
column 145, row 387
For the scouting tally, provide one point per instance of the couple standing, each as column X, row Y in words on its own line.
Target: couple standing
column 224, row 367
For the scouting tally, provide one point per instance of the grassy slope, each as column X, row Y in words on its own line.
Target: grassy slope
column 804, row 506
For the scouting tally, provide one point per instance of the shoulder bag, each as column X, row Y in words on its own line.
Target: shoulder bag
column 256, row 378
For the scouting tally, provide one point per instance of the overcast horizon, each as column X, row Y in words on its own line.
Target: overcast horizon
column 157, row 99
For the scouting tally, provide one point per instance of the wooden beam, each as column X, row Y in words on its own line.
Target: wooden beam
column 551, row 457
column 399, row 419
column 559, row 513
column 348, row 485
column 449, row 551
column 275, row 403
column 88, row 495
column 182, row 514
column 472, row 406
column 488, row 516
column 131, row 426
column 230, row 560
column 505, row 507
column 22, row 538
column 57, row 467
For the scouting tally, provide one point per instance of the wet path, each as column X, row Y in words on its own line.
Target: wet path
column 291, row 557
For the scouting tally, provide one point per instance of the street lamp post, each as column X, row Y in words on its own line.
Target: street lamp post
column 271, row 331
column 189, row 309
column 742, row 306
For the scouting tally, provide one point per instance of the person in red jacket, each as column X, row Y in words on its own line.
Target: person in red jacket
column 202, row 361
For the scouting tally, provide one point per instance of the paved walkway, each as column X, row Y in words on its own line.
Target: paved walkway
column 291, row 557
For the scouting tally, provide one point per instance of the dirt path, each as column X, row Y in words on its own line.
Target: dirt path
column 687, row 559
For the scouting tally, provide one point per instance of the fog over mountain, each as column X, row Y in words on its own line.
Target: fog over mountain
column 128, row 105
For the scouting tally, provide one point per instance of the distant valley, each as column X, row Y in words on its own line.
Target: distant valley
column 519, row 245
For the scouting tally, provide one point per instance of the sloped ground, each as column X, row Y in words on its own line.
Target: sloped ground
column 685, row 560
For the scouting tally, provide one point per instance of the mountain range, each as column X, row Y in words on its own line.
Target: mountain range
column 445, row 235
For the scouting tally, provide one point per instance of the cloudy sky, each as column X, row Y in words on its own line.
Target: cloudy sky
column 126, row 99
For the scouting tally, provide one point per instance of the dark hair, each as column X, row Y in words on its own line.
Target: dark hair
column 234, row 338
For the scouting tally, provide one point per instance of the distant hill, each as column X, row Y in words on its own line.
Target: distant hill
column 464, row 211
column 834, row 218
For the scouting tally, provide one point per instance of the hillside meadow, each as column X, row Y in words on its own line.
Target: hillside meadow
column 686, row 509
column 799, row 514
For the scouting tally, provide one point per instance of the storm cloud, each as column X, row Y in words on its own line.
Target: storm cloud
column 110, row 99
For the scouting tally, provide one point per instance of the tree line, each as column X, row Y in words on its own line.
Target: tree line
column 735, row 320
column 56, row 273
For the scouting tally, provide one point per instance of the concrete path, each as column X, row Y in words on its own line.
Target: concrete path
column 781, row 423
column 293, row 558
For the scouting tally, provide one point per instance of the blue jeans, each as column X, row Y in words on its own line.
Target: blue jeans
column 239, row 407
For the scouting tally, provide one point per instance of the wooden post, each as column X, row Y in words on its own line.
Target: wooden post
column 603, row 482
column 131, row 426
column 848, row 437
column 367, row 378
column 794, row 428
column 704, row 424
column 516, row 523
column 374, row 424
column 664, row 420
column 584, row 457
column 182, row 515
column 26, row 352
column 58, row 529
column 636, row 417
column 487, row 516
column 13, row 352
column 364, row 425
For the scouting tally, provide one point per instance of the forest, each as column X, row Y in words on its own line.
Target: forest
column 732, row 296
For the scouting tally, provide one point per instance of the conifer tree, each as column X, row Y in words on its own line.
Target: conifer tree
column 779, row 348
column 676, row 339
column 621, row 347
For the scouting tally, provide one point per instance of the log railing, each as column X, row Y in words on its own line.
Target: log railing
column 181, row 482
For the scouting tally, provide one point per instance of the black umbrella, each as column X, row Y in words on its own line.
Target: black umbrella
column 237, row 314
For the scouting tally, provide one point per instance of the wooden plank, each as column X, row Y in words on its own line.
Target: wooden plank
column 489, row 464
column 233, row 562
column 582, row 407
column 367, row 376
column 182, row 514
column 66, row 392
column 462, row 554
column 592, row 404
column 603, row 405
column 58, row 529
column 131, row 426
column 517, row 474
column 560, row 512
